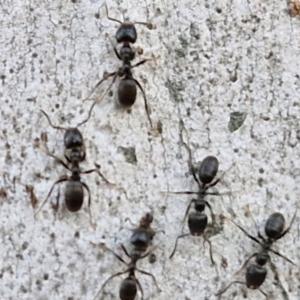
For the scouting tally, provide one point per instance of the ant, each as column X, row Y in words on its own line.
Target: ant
column 143, row 234
column 127, row 89
column 74, row 154
column 197, row 221
column 141, row 238
column 257, row 273
column 207, row 171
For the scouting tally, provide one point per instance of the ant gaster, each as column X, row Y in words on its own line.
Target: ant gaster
column 197, row 221
column 127, row 89
column 141, row 238
column 74, row 154
column 256, row 273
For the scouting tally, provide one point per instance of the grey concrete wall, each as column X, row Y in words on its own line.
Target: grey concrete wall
column 216, row 58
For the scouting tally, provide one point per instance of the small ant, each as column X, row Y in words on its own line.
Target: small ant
column 74, row 154
column 143, row 234
column 256, row 273
column 197, row 220
column 129, row 285
column 141, row 238
column 127, row 88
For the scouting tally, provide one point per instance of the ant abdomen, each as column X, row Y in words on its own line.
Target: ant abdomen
column 274, row 225
column 255, row 276
column 127, row 92
column 126, row 33
column 197, row 223
column 128, row 289
column 208, row 169
column 74, row 195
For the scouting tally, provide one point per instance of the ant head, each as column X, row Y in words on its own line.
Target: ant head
column 146, row 220
column 274, row 225
column 126, row 33
column 73, row 138
column 262, row 258
column 128, row 288
column 197, row 223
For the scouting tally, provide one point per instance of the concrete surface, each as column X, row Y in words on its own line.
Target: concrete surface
column 216, row 58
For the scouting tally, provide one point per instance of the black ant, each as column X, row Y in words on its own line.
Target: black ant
column 143, row 235
column 74, row 154
column 257, row 273
column 207, row 171
column 197, row 220
column 127, row 88
column 141, row 238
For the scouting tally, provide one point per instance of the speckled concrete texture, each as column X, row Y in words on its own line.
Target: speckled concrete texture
column 216, row 58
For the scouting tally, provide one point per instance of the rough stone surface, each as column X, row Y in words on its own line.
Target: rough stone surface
column 215, row 58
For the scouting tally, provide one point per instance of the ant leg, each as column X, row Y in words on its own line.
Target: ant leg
column 264, row 293
column 59, row 160
column 107, row 280
column 149, row 252
column 211, row 212
column 276, row 277
column 246, row 233
column 114, row 47
column 159, row 231
column 103, row 246
column 99, row 173
column 115, row 74
column 217, row 180
column 128, row 219
column 187, row 211
column 245, row 263
column 288, row 229
column 145, row 101
column 89, row 204
column 56, row 206
column 125, row 251
column 140, row 288
column 179, row 237
column 62, row 179
column 210, row 249
column 188, row 148
column 50, row 123
column 151, row 275
column 132, row 229
column 105, row 77
column 256, row 226
column 224, row 290
column 142, row 62
column 282, row 256
column 182, row 193
column 109, row 18
column 147, row 24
